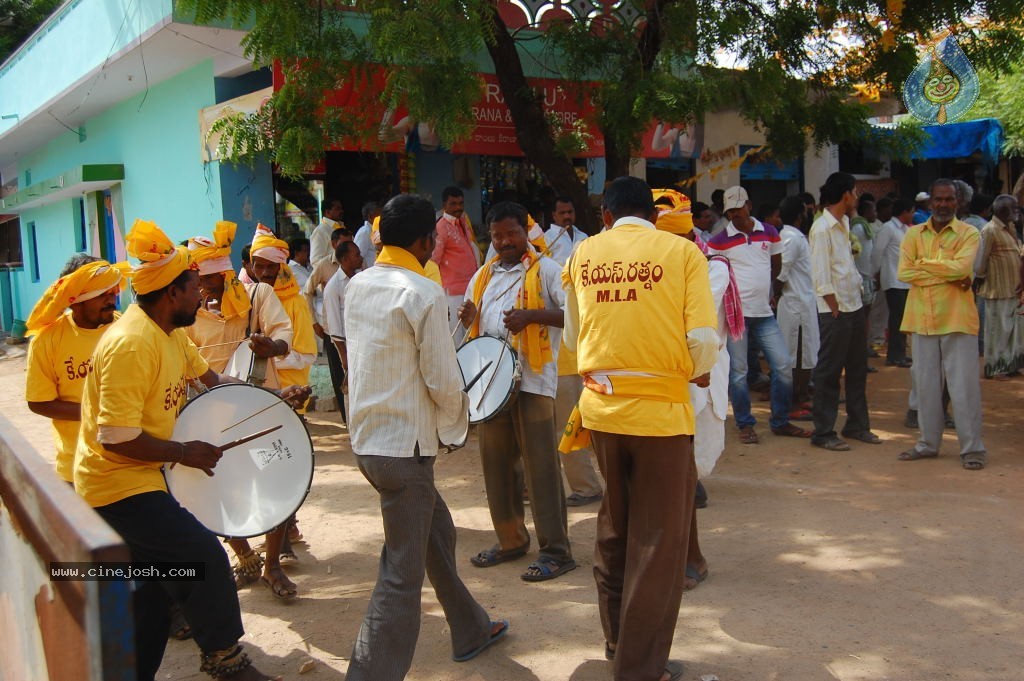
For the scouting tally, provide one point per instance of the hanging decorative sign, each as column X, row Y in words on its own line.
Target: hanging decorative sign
column 943, row 86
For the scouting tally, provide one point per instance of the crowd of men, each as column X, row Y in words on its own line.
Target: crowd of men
column 714, row 288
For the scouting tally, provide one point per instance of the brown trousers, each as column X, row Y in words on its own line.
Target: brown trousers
column 643, row 532
column 523, row 437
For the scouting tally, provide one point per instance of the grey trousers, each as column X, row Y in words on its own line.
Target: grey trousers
column 579, row 471
column 525, row 432
column 953, row 357
column 419, row 537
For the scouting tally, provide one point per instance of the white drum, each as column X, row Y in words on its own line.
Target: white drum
column 256, row 485
column 495, row 366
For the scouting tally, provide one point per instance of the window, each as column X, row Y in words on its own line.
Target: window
column 81, row 240
column 10, row 241
column 33, row 252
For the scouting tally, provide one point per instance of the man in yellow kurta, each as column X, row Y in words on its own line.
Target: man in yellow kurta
column 138, row 383
column 232, row 312
column 636, row 404
column 65, row 325
column 270, row 264
column 937, row 260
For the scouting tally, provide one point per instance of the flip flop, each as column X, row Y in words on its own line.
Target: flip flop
column 495, row 555
column 675, row 670
column 491, row 641
column 698, row 577
column 973, row 465
column 544, row 569
column 280, row 591
column 914, row 455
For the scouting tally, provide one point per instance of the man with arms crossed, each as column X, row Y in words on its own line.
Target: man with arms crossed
column 636, row 405
column 406, row 396
column 937, row 260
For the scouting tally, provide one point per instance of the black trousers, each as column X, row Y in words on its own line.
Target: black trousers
column 156, row 528
column 337, row 373
column 843, row 347
column 896, row 298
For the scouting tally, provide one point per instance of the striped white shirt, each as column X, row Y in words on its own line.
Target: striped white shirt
column 832, row 264
column 405, row 385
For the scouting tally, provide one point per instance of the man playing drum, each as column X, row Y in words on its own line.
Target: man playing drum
column 230, row 313
column 269, row 257
column 65, row 326
column 139, row 378
column 518, row 293
column 406, row 396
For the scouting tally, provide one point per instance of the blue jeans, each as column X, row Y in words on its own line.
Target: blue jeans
column 765, row 331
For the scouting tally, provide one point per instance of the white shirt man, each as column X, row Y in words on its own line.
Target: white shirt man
column 798, row 308
column 406, row 395
column 562, row 239
column 320, row 240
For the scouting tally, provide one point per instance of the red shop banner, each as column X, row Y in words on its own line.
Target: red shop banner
column 394, row 130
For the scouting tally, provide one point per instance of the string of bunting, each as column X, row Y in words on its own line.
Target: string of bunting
column 719, row 155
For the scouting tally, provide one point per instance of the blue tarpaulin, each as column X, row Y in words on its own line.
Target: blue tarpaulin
column 956, row 140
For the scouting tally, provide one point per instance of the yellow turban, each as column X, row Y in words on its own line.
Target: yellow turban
column 675, row 217
column 535, row 233
column 161, row 261
column 214, row 257
column 87, row 282
column 375, row 231
column 267, row 246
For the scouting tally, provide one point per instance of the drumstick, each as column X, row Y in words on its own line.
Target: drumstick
column 490, row 380
column 268, row 407
column 217, row 345
column 477, row 377
column 242, row 440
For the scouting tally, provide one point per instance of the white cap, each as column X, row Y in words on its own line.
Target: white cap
column 735, row 197
column 922, row 196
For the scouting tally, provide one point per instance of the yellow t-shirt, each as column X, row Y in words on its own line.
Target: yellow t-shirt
column 59, row 359
column 303, row 340
column 138, row 380
column 638, row 292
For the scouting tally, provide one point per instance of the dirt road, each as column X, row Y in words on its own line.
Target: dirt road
column 823, row 565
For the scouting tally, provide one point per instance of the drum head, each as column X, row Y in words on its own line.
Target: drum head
column 499, row 382
column 257, row 485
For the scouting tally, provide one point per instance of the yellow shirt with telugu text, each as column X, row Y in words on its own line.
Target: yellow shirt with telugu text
column 138, row 380
column 59, row 359
column 638, row 292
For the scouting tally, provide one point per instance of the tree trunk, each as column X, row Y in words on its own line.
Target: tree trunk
column 616, row 160
column 532, row 129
